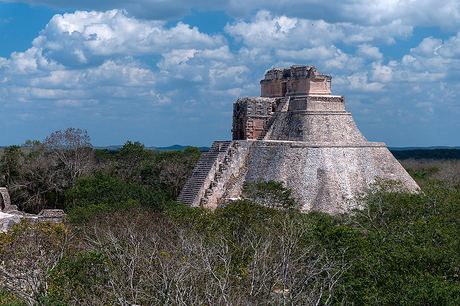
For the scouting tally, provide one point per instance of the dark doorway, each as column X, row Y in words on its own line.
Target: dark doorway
column 2, row 202
column 283, row 89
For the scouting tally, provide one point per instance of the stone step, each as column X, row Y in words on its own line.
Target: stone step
column 273, row 119
column 201, row 172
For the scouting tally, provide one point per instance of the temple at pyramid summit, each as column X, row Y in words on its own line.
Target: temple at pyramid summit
column 298, row 133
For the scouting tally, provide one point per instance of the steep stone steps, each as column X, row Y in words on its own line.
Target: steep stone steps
column 273, row 118
column 201, row 171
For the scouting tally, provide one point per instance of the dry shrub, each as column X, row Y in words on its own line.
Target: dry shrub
column 446, row 170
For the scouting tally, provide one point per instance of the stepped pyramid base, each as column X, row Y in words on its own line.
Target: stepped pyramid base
column 299, row 134
column 322, row 176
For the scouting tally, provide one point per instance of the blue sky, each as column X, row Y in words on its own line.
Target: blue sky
column 167, row 72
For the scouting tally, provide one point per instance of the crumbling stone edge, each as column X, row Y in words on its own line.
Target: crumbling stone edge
column 10, row 215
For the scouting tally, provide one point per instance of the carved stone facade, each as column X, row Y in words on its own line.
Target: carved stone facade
column 304, row 87
column 297, row 133
column 295, row 81
column 251, row 116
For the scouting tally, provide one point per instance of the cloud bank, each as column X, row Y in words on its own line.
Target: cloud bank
column 129, row 65
column 443, row 13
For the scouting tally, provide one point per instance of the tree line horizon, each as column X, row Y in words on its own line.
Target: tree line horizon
column 126, row 241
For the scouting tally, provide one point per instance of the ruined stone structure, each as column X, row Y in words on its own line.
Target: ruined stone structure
column 9, row 214
column 4, row 198
column 297, row 133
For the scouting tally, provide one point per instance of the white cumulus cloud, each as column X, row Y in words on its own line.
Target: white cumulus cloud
column 88, row 37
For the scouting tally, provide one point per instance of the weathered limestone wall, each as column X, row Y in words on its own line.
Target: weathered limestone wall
column 317, row 126
column 310, row 86
column 275, row 89
column 322, row 176
column 317, row 103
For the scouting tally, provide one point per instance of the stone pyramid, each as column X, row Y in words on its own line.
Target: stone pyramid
column 297, row 133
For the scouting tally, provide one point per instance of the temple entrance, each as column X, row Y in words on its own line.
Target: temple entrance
column 2, row 202
column 283, row 89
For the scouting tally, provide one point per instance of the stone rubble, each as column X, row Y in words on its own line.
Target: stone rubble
column 10, row 215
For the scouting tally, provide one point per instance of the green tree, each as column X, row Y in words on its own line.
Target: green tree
column 10, row 162
column 38, row 184
column 80, row 278
column 271, row 194
column 130, row 159
column 102, row 193
column 73, row 150
column 169, row 170
column 408, row 251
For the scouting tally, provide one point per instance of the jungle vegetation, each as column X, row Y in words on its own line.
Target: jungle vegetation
column 125, row 241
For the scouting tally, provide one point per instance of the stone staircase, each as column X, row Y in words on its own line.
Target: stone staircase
column 274, row 117
column 207, row 161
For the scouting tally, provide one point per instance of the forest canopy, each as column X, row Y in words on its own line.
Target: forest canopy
column 125, row 241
